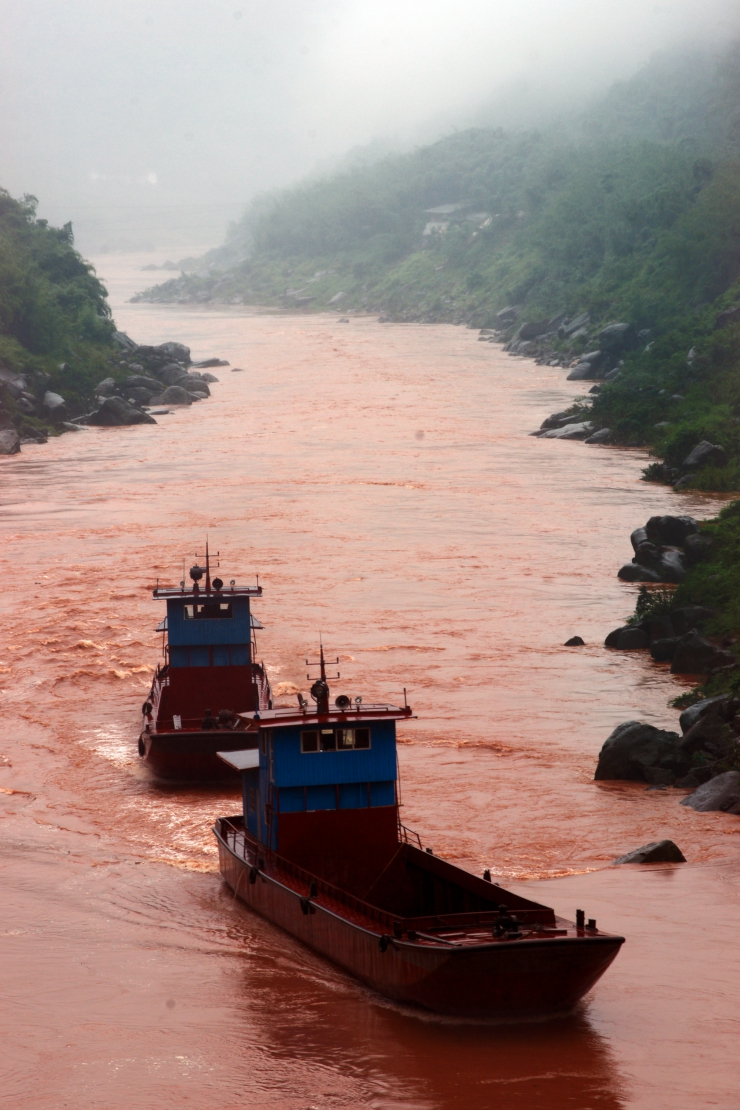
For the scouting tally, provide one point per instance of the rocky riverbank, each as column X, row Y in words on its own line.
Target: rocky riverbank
column 687, row 619
column 143, row 382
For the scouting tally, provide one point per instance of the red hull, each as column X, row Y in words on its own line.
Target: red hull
column 502, row 979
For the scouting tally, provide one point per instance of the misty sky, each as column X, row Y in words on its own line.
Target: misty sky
column 153, row 122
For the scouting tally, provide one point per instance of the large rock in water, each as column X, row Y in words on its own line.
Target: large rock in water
column 569, row 431
column 720, row 793
column 114, row 412
column 633, row 572
column 627, row 638
column 671, row 530
column 690, row 716
column 171, row 373
column 174, row 395
column 634, row 748
column 10, row 441
column 175, row 351
column 140, row 381
column 660, row 851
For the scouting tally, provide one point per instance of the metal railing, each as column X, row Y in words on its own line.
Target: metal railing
column 408, row 836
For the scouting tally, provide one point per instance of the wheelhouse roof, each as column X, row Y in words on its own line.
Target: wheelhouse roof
column 165, row 593
column 284, row 718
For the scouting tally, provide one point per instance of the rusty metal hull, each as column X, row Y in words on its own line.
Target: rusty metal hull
column 187, row 756
column 502, row 980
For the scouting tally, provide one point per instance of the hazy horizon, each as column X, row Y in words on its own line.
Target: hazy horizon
column 151, row 128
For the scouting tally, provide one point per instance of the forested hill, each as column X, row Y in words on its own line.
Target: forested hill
column 629, row 214
column 574, row 218
column 55, row 324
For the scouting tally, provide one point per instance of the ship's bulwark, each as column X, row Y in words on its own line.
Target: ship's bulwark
column 504, row 980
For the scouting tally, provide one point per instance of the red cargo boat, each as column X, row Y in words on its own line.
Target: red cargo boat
column 209, row 676
column 319, row 850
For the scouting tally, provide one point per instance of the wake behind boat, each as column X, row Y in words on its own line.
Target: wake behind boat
column 319, row 850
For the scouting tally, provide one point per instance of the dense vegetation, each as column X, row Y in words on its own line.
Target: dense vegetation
column 630, row 213
column 55, row 324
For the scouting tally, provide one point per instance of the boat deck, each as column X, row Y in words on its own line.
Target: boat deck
column 472, row 929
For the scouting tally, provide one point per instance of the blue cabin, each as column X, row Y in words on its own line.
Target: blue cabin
column 320, row 790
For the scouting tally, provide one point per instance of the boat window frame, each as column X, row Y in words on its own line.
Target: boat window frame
column 196, row 611
column 315, row 743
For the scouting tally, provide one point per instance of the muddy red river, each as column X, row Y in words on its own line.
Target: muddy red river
column 380, row 480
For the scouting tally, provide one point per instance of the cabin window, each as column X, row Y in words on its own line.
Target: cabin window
column 328, row 740
column 252, row 799
column 335, row 739
column 208, row 610
column 309, row 741
column 265, row 740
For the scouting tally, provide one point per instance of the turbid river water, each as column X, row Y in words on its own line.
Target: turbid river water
column 380, row 481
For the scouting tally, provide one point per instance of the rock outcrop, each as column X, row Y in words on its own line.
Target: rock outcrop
column 659, row 851
column 641, row 753
column 114, row 412
column 721, row 793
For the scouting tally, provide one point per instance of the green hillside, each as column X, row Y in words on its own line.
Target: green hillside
column 629, row 213
column 55, row 323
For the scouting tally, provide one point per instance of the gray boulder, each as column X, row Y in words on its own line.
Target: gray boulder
column 697, row 547
column 557, row 420
column 10, row 441
column 207, row 362
column 106, row 388
column 663, row 650
column 720, row 793
column 54, row 406
column 209, row 378
column 602, row 436
column 193, row 384
column 647, row 555
column 694, row 712
column 171, row 373
column 639, row 536
column 705, row 453
column 579, row 430
column 140, row 381
column 581, row 372
column 627, row 638
column 576, row 324
column 533, row 329
column 176, row 351
column 574, row 641
column 672, row 566
column 174, row 395
column 124, row 342
column 616, row 338
column 670, row 529
column 660, row 851
column 140, row 396
column 633, row 572
column 709, row 734
column 635, row 746
column 115, row 412
column 694, row 655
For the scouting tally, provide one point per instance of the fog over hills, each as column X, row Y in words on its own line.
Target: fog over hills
column 153, row 126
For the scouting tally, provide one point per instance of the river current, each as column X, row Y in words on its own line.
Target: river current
column 380, row 480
